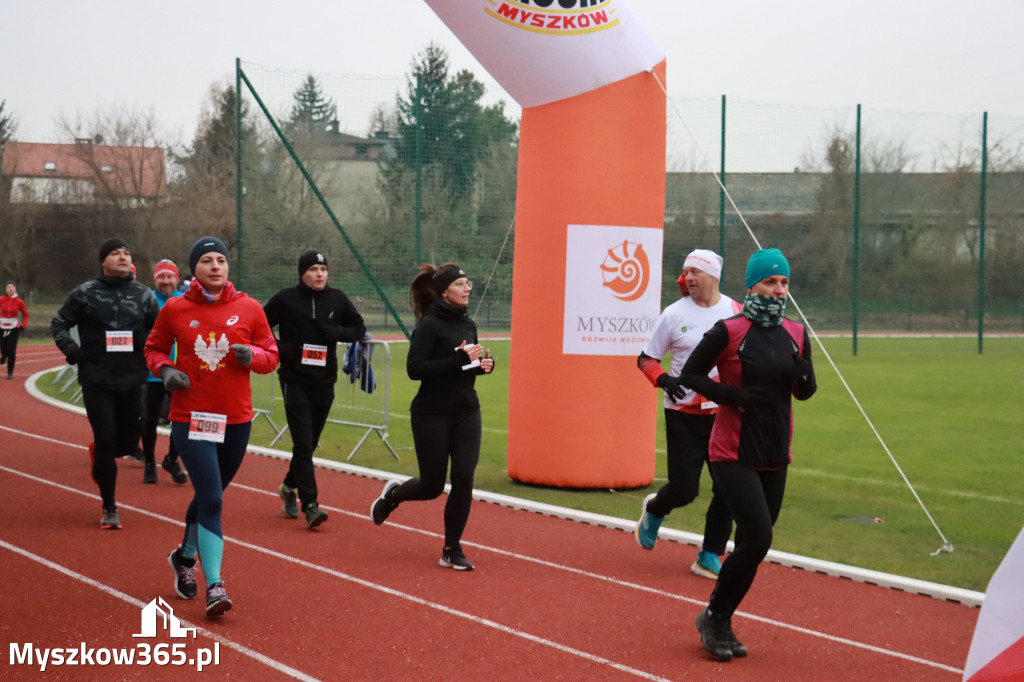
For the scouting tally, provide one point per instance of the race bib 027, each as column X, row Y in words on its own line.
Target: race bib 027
column 119, row 342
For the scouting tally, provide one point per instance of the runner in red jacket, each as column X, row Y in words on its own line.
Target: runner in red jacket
column 222, row 336
column 10, row 325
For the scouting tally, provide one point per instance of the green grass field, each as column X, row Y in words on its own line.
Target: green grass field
column 951, row 418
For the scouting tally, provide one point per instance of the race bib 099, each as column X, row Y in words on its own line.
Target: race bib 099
column 207, row 426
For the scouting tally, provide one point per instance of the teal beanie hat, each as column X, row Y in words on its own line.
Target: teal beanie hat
column 765, row 263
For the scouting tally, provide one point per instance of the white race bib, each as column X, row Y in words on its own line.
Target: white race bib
column 315, row 355
column 207, row 426
column 119, row 342
column 8, row 322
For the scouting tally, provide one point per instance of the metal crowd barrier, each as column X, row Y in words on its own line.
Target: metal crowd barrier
column 353, row 406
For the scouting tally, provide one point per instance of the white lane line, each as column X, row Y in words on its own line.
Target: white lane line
column 644, row 588
column 522, row 557
column 486, row 622
column 138, row 603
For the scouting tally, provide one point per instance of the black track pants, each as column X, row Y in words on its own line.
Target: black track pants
column 306, row 408
column 114, row 416
column 687, row 438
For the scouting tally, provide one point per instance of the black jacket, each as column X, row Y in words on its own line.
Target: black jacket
column 434, row 362
column 96, row 307
column 749, row 358
column 322, row 318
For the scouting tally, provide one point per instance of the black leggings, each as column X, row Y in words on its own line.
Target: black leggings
column 306, row 408
column 438, row 437
column 755, row 499
column 687, row 437
column 9, row 347
column 153, row 395
column 114, row 416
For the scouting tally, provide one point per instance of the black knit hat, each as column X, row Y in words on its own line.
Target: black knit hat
column 445, row 275
column 309, row 259
column 203, row 246
column 109, row 245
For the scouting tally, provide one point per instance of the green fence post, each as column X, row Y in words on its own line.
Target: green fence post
column 323, row 202
column 418, row 196
column 721, row 190
column 981, row 229
column 239, row 269
column 856, row 235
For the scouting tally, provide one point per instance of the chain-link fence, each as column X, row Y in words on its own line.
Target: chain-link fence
column 881, row 213
column 893, row 221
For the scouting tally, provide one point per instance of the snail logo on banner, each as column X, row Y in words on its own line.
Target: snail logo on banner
column 612, row 289
column 565, row 17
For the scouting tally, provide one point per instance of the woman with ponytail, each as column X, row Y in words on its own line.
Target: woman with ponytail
column 445, row 357
column 763, row 360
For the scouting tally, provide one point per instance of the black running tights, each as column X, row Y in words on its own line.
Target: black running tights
column 755, row 499
column 438, row 437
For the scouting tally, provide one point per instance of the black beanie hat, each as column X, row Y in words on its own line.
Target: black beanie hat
column 112, row 244
column 309, row 259
column 445, row 275
column 203, row 246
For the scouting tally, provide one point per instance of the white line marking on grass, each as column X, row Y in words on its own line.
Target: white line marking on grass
column 334, row 573
column 897, row 484
column 138, row 603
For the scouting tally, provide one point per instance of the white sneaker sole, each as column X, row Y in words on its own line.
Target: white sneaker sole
column 390, row 485
column 697, row 569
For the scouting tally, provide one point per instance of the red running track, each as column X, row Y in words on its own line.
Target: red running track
column 550, row 599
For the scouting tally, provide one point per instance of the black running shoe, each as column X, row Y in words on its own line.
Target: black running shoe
column 291, row 501
column 184, row 577
column 172, row 467
column 314, row 516
column 149, row 473
column 217, row 600
column 714, row 635
column 382, row 507
column 452, row 557
column 111, row 520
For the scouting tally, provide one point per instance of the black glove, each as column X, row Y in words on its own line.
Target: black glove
column 747, row 398
column 673, row 388
column 74, row 355
column 802, row 368
column 243, row 353
column 173, row 378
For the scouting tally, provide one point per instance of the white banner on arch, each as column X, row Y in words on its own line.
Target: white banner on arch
column 542, row 51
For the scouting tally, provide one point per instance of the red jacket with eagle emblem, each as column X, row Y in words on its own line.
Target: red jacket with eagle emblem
column 204, row 331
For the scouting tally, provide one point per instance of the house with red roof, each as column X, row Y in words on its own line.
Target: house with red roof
column 85, row 172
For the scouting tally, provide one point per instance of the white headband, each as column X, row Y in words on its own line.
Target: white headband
column 708, row 261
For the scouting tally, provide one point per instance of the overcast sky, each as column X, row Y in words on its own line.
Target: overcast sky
column 907, row 55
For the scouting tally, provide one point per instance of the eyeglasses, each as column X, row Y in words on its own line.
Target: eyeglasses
column 464, row 284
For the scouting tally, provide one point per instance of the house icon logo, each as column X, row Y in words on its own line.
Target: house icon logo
column 154, row 612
